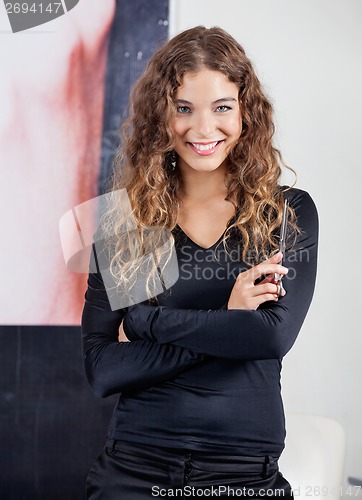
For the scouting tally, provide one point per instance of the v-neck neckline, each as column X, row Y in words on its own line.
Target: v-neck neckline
column 216, row 242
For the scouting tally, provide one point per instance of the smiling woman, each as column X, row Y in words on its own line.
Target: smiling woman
column 198, row 366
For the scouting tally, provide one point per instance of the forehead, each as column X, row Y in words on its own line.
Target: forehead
column 206, row 84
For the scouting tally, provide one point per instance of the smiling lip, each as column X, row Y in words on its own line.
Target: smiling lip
column 205, row 148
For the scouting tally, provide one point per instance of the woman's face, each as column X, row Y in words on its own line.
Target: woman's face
column 208, row 120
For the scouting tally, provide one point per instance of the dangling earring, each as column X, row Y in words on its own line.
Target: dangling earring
column 172, row 160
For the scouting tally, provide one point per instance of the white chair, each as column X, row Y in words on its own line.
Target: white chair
column 314, row 456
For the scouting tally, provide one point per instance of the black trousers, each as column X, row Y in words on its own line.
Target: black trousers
column 129, row 471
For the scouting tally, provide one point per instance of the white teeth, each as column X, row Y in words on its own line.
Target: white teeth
column 204, row 147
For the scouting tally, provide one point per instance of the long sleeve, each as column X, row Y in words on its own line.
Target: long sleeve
column 266, row 333
column 111, row 366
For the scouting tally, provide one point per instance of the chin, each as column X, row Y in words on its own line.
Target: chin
column 204, row 164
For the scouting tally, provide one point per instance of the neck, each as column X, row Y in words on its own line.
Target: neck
column 200, row 186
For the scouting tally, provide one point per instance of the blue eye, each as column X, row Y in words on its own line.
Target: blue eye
column 183, row 109
column 223, row 108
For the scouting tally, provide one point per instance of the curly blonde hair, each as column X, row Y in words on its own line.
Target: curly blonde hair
column 155, row 191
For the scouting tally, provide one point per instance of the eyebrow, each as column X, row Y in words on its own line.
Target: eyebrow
column 223, row 99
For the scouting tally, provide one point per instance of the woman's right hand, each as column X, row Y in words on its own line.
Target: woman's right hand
column 121, row 334
column 246, row 295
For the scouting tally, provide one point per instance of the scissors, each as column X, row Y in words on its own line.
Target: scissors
column 283, row 234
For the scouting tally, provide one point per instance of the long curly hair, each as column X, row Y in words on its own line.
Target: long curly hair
column 155, row 191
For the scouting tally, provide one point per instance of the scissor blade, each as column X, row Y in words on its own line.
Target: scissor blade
column 282, row 238
column 283, row 230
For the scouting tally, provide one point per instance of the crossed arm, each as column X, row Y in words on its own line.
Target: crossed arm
column 266, row 333
column 166, row 341
column 112, row 366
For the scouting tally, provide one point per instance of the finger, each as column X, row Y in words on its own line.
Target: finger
column 267, row 279
column 267, row 297
column 267, row 289
column 276, row 258
column 267, row 267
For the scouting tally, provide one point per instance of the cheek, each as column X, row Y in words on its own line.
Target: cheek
column 179, row 128
column 236, row 126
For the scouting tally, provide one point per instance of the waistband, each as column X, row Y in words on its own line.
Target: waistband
column 203, row 460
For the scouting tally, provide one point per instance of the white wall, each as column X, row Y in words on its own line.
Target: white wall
column 307, row 54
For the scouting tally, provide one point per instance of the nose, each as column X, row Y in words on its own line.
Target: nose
column 204, row 124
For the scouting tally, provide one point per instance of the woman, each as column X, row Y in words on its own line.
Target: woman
column 198, row 366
